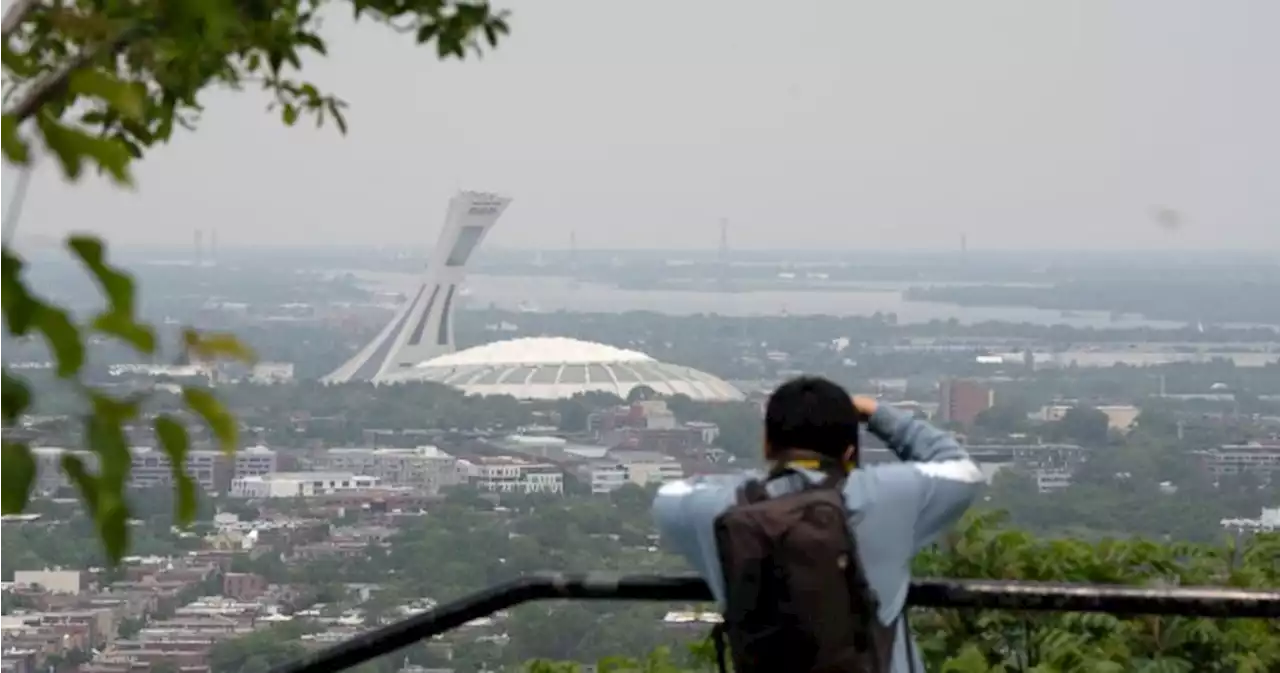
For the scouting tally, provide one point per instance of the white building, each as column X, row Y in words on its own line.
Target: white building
column 551, row 368
column 1049, row 480
column 1267, row 523
column 1233, row 459
column 423, row 327
column 511, row 475
column 641, row 468
column 267, row 373
column 54, row 581
column 425, row 468
column 254, row 461
column 299, row 484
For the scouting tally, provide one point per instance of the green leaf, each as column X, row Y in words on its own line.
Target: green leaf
column 85, row 483
column 335, row 110
column 106, row 436
column 15, row 148
column 289, row 114
column 104, row 433
column 115, row 284
column 214, row 414
column 16, row 398
column 72, row 147
column 216, row 345
column 141, row 337
column 427, row 31
column 113, row 524
column 174, row 442
column 18, row 474
column 119, row 289
column 20, row 307
column 312, row 41
column 116, row 410
column 122, row 96
column 63, row 338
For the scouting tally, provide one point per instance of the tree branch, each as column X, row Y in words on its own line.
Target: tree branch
column 18, row 12
column 46, row 89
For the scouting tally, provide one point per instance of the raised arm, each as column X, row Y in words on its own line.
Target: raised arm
column 908, row 437
column 937, row 474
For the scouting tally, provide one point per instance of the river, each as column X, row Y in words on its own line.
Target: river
column 550, row 293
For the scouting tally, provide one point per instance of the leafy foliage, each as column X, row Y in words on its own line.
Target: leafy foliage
column 466, row 544
column 105, row 81
column 102, row 489
column 984, row 547
column 102, row 82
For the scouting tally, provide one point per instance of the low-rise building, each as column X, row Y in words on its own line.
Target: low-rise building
column 210, row 469
column 505, row 474
column 267, row 373
column 54, row 581
column 253, row 461
column 1262, row 460
column 424, row 468
column 299, row 484
column 1051, row 466
column 641, row 468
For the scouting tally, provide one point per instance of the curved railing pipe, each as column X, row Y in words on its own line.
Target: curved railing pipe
column 1213, row 602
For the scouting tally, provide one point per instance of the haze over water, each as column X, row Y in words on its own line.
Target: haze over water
column 548, row 293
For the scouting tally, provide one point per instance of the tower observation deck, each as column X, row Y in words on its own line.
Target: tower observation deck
column 423, row 327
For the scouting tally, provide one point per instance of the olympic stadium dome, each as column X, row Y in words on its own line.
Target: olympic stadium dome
column 548, row 368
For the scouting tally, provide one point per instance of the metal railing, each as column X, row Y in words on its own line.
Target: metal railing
column 933, row 593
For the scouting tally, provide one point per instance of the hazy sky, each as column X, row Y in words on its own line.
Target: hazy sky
column 807, row 123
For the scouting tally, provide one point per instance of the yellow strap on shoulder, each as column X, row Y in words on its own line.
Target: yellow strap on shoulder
column 815, row 465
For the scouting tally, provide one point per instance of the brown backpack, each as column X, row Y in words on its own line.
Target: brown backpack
column 797, row 599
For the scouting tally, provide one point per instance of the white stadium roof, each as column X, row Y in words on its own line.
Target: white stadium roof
column 557, row 368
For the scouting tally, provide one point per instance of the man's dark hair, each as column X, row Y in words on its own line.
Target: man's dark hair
column 813, row 414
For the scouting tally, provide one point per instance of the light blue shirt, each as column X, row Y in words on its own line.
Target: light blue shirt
column 899, row 509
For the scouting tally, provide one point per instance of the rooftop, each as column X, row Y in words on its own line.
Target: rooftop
column 537, row 351
column 628, row 457
column 559, row 368
column 303, row 476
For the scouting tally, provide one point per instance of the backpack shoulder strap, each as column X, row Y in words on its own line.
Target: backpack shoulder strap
column 834, row 471
column 722, row 649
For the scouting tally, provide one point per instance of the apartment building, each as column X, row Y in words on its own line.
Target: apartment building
column 962, row 400
column 254, row 461
column 70, row 582
column 268, row 373
column 424, row 468
column 210, row 469
column 505, row 474
column 641, row 468
column 1051, row 466
column 1254, row 458
column 1049, row 456
column 299, row 484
